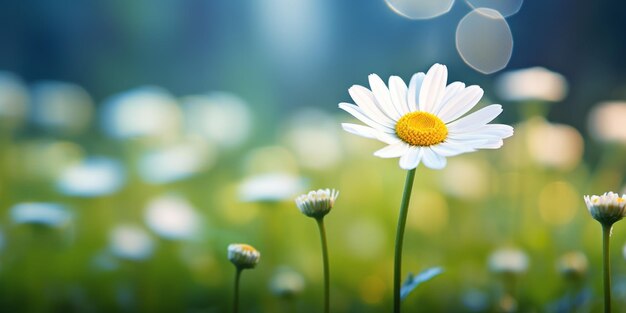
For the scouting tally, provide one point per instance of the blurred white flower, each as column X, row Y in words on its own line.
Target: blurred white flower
column 573, row 264
column 465, row 179
column 286, row 283
column 607, row 120
column 270, row 187
column 175, row 162
column 130, row 242
column 41, row 213
column 221, row 117
column 508, row 261
column 95, row 176
column 535, row 83
column 554, row 145
column 172, row 217
column 62, row 107
column 314, row 137
column 13, row 98
column 141, row 112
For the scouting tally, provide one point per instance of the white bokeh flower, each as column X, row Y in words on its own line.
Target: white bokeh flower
column 535, row 83
column 423, row 122
column 287, row 283
column 606, row 121
column 144, row 112
column 172, row 217
column 208, row 116
column 554, row 145
column 41, row 213
column 508, row 261
column 573, row 264
column 176, row 161
column 312, row 136
column 270, row 187
column 92, row 177
column 130, row 242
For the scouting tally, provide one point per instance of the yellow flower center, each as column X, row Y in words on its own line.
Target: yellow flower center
column 421, row 129
column 247, row 248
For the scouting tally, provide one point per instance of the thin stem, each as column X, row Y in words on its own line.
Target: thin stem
column 397, row 262
column 606, row 235
column 236, row 298
column 320, row 225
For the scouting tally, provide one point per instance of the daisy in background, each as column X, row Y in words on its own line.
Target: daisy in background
column 607, row 209
column 423, row 122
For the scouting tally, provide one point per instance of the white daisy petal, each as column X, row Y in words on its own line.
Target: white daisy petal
column 382, row 109
column 447, row 149
column 476, row 119
column 413, row 94
column 492, row 144
column 493, row 130
column 387, row 138
column 365, row 99
column 368, row 132
column 398, row 90
column 451, row 90
column 358, row 113
column 460, row 103
column 360, row 130
column 489, row 132
column 393, row 151
column 433, row 88
column 433, row 160
column 411, row 159
column 381, row 92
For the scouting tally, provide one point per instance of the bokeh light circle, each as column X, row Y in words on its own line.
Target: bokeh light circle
column 484, row 40
column 420, row 9
column 505, row 7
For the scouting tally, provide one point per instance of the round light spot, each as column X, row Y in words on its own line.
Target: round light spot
column 484, row 40
column 558, row 203
column 420, row 9
column 505, row 7
column 433, row 220
column 365, row 238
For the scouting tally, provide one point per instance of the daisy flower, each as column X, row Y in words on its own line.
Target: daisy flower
column 425, row 121
column 607, row 208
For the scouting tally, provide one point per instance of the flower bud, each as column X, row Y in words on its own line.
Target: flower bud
column 318, row 203
column 243, row 255
column 607, row 208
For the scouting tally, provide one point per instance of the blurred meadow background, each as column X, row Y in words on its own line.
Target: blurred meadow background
column 139, row 138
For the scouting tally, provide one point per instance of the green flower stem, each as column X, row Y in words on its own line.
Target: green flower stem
column 236, row 298
column 320, row 225
column 397, row 262
column 606, row 235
